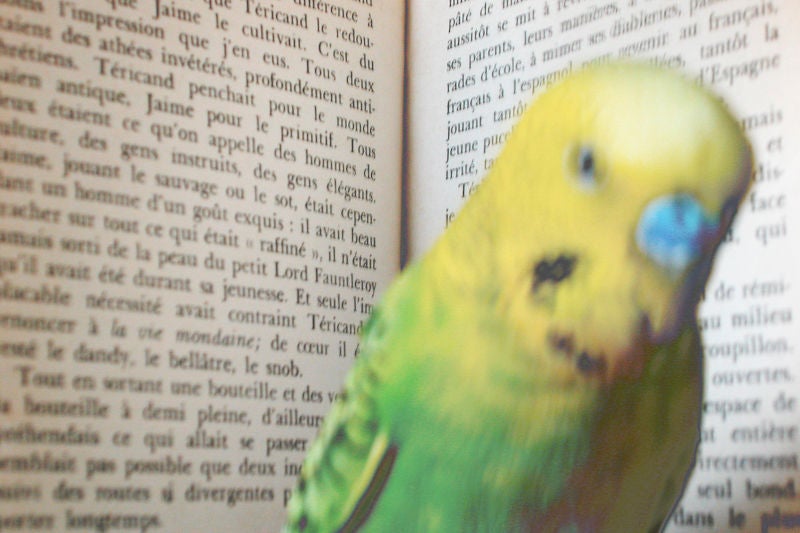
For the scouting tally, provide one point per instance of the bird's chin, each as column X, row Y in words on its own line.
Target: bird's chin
column 626, row 361
column 608, row 362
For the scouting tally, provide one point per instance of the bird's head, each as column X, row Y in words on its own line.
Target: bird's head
column 607, row 206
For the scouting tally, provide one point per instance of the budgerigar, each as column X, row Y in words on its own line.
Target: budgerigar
column 540, row 369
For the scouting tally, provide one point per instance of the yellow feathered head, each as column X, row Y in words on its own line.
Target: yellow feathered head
column 604, row 211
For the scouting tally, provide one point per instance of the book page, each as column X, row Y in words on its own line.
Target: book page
column 199, row 205
column 474, row 66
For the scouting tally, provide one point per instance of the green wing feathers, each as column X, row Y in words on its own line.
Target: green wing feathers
column 351, row 459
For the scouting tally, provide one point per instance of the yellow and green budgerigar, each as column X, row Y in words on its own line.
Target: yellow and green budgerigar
column 540, row 369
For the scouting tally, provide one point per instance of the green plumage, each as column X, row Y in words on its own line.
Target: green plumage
column 539, row 369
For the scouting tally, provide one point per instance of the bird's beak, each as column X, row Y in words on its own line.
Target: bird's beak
column 674, row 230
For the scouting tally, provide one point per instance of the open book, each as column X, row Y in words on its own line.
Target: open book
column 201, row 201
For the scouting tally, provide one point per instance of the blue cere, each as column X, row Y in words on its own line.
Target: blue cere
column 672, row 231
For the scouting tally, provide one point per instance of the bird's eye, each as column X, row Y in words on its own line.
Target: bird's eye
column 581, row 166
column 587, row 172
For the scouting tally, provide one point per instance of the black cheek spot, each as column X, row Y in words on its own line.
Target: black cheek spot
column 588, row 364
column 562, row 343
column 555, row 270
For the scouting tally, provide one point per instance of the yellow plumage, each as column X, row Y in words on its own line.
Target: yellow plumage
column 540, row 368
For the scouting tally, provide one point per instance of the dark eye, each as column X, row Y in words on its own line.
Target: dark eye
column 587, row 173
